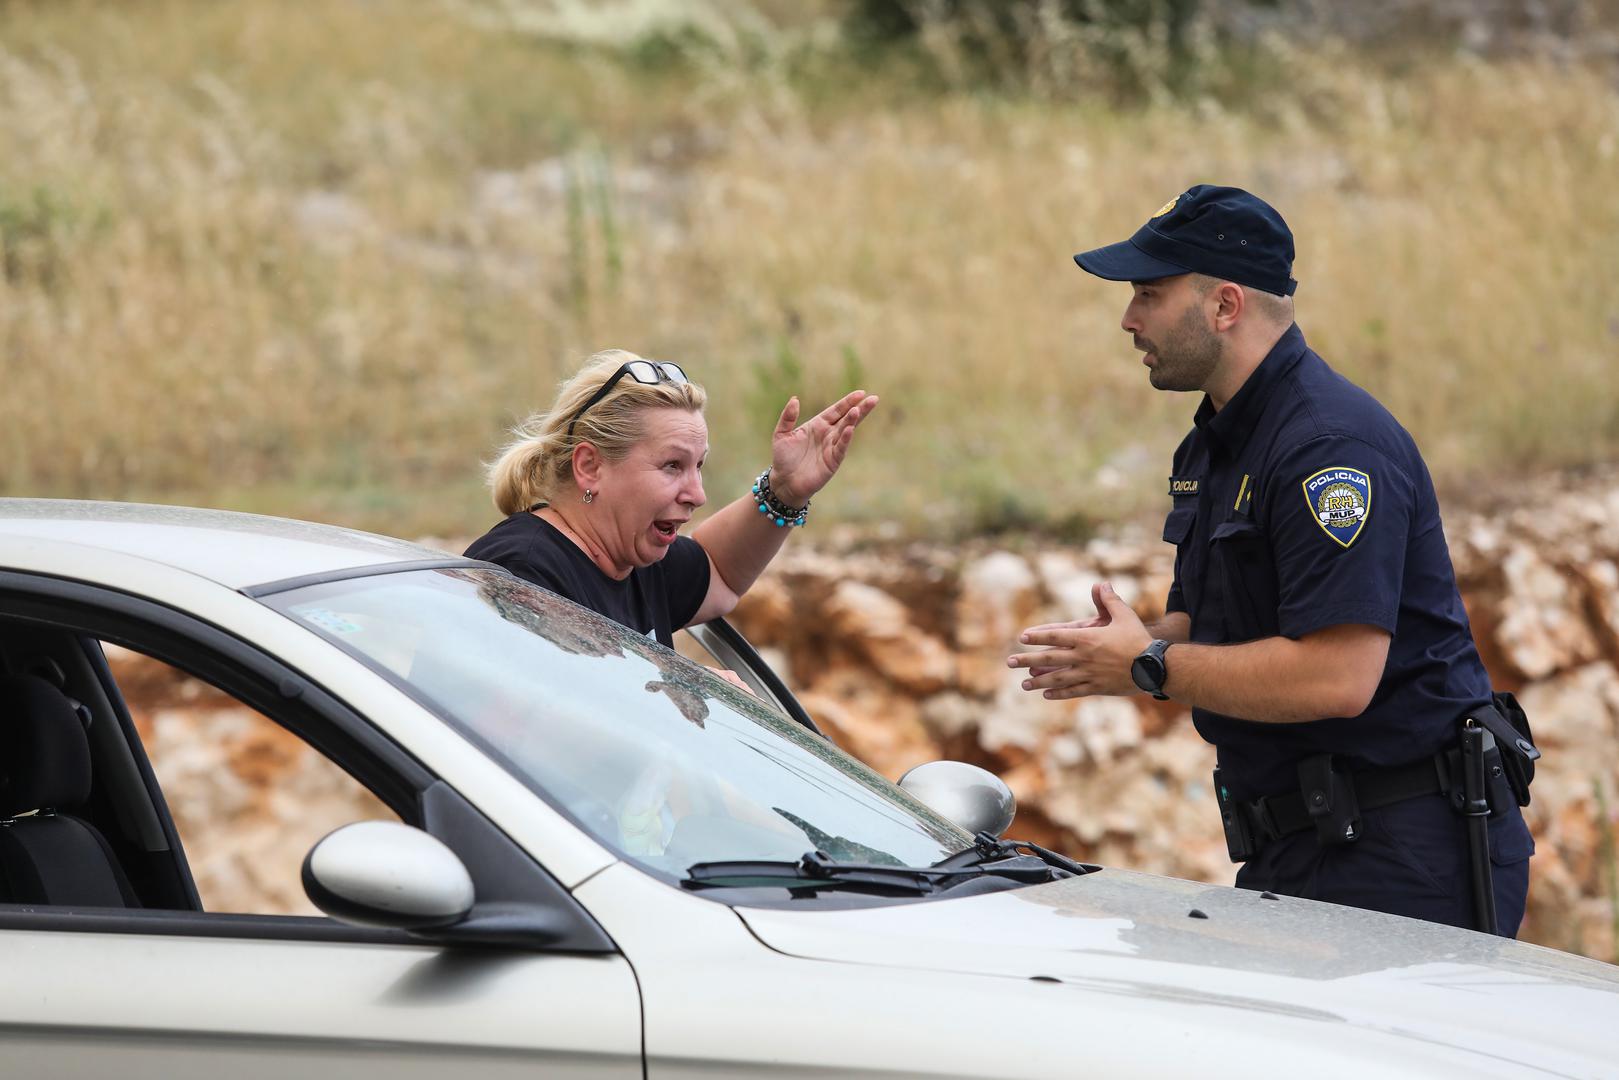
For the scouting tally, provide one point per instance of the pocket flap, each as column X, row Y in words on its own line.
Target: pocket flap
column 1237, row 530
column 1510, row 841
column 1178, row 524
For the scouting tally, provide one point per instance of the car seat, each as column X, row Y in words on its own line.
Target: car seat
column 48, row 856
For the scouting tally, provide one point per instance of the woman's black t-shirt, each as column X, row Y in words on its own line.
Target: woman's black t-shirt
column 654, row 600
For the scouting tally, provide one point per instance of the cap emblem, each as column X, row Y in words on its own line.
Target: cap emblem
column 1167, row 207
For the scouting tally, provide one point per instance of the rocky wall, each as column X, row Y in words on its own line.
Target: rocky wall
column 899, row 651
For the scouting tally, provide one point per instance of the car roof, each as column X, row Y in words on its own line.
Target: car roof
column 233, row 549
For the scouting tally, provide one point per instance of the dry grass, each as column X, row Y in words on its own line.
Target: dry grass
column 310, row 258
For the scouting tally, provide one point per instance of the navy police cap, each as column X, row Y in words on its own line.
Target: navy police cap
column 1223, row 232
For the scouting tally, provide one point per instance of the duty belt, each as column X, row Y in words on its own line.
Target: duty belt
column 1331, row 801
column 1486, row 774
column 1276, row 816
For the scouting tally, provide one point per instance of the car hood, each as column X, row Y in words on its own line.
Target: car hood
column 1186, row 944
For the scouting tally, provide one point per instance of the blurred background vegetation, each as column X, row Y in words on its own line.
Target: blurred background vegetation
column 313, row 257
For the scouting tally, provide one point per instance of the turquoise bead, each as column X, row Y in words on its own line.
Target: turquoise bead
column 763, row 509
column 781, row 521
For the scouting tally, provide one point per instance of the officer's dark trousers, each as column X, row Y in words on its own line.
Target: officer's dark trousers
column 1411, row 859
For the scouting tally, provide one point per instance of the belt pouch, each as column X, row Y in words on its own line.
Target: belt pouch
column 1239, row 831
column 1329, row 799
column 1504, row 718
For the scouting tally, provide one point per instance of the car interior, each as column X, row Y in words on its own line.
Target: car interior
column 83, row 821
column 87, row 840
column 48, row 855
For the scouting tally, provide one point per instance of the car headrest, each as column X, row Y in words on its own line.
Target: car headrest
column 44, row 752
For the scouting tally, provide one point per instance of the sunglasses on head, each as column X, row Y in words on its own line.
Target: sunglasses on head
column 647, row 372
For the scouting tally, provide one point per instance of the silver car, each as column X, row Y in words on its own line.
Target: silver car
column 611, row 862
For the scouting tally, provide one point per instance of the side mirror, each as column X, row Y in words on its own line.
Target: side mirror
column 974, row 798
column 382, row 873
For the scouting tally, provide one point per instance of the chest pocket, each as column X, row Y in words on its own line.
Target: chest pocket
column 1188, row 559
column 1240, row 558
column 1178, row 524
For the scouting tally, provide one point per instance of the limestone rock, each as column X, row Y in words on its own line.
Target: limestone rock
column 1542, row 627
column 1601, row 581
column 1018, row 718
column 1576, row 716
column 1068, row 582
column 765, row 613
column 951, row 714
column 998, row 596
column 1106, row 726
column 877, row 626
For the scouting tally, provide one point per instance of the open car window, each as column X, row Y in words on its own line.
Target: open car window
column 127, row 783
column 654, row 755
column 248, row 797
column 91, row 844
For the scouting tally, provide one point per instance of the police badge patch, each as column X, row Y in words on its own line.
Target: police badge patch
column 1341, row 500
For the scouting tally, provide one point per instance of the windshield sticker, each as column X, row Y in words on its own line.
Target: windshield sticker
column 329, row 620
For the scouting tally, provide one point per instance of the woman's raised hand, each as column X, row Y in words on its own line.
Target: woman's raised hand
column 804, row 457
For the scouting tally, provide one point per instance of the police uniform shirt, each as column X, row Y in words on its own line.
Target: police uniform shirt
column 1303, row 504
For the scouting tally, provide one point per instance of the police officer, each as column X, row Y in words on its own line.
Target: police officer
column 1314, row 625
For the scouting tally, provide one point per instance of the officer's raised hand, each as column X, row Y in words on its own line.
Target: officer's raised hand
column 1088, row 657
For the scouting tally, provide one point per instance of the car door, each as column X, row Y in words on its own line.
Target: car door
column 166, row 989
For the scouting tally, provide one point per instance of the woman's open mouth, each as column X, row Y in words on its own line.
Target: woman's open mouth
column 666, row 531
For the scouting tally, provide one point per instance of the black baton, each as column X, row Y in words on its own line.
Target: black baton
column 1476, row 742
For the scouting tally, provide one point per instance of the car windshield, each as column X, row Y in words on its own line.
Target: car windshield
column 654, row 755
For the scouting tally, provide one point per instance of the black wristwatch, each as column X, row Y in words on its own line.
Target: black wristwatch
column 1148, row 670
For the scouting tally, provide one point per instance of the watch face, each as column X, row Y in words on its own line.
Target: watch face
column 1147, row 672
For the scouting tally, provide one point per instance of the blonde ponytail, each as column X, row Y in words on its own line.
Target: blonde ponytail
column 536, row 464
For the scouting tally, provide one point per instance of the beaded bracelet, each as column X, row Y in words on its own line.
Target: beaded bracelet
column 782, row 515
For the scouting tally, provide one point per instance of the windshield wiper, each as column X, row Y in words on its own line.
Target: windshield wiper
column 817, row 869
column 987, row 847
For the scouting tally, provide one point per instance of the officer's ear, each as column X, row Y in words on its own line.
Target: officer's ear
column 1230, row 300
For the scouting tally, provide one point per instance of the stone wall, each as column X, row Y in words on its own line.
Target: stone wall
column 900, row 654
column 899, row 651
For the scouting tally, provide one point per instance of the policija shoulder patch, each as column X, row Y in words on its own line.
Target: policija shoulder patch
column 1341, row 500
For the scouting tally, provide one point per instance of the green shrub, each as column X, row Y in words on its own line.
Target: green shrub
column 1054, row 48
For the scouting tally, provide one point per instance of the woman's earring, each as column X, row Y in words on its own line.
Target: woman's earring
column 590, row 496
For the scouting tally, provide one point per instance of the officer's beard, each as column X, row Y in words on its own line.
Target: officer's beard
column 1187, row 357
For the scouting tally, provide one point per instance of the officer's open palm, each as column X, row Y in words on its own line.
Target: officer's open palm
column 1101, row 618
column 1088, row 657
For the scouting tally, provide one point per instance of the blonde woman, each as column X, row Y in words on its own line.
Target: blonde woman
column 597, row 488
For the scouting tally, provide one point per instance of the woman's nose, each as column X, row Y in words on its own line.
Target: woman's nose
column 694, row 490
